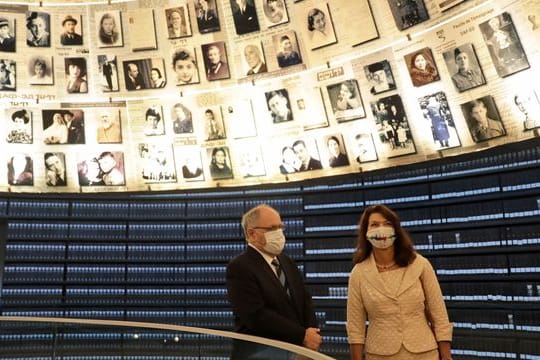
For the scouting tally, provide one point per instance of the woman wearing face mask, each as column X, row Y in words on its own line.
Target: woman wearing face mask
column 396, row 289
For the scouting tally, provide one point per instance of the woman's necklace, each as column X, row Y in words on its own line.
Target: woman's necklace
column 386, row 267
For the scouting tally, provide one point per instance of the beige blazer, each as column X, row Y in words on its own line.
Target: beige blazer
column 400, row 319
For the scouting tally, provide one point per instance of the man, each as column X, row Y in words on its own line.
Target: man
column 7, row 41
column 466, row 77
column 279, row 107
column 244, row 16
column 266, row 290
column 214, row 130
column 484, row 127
column 379, row 79
column 207, row 18
column 69, row 36
column 109, row 130
column 529, row 107
column 183, row 123
column 287, row 56
column 308, row 163
column 107, row 164
column 38, row 36
column 217, row 68
column 134, row 80
column 253, row 57
column 56, row 171
column 75, row 128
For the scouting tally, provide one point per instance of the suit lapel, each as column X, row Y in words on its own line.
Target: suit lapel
column 373, row 276
column 411, row 276
column 268, row 272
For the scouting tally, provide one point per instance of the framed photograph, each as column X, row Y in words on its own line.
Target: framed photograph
column 464, row 66
column 144, row 74
column 287, row 50
column 76, row 75
column 448, row 4
column 108, row 73
column 408, row 13
column 38, row 29
column 215, row 61
column 207, row 16
column 20, row 170
column 393, row 126
column 380, row 77
column 157, row 163
column 7, row 34
column 528, row 105
column 109, row 28
column 483, row 119
column 213, row 122
column 346, row 101
column 244, row 16
column 239, row 118
column 101, row 169
column 307, row 155
column 335, row 150
column 220, row 163
column 40, row 70
column 55, row 169
column 142, row 19
column 275, row 12
column 109, row 129
column 182, row 119
column 8, row 75
column 63, row 126
column 363, row 147
column 254, row 60
column 184, row 62
column 422, row 67
column 309, row 109
column 178, row 24
column 192, row 167
column 320, row 28
column 71, row 34
column 251, row 159
column 279, row 105
column 154, row 121
column 19, row 129
column 438, row 117
column 504, row 46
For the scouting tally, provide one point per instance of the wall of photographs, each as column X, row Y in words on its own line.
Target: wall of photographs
column 161, row 95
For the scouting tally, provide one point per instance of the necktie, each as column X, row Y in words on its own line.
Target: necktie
column 281, row 276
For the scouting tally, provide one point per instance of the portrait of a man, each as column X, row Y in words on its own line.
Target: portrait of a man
column 244, row 16
column 109, row 129
column 7, row 35
column 215, row 61
column 463, row 64
column 279, row 106
column 55, row 169
column 69, row 35
column 38, row 29
column 529, row 107
column 108, row 70
column 178, row 25
column 254, row 59
column 207, row 16
column 380, row 77
column 287, row 49
column 483, row 119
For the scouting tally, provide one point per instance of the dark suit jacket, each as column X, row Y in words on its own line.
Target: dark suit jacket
column 76, row 39
column 247, row 21
column 76, row 132
column 262, row 69
column 261, row 305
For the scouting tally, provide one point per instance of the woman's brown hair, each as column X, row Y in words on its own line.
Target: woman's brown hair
column 404, row 252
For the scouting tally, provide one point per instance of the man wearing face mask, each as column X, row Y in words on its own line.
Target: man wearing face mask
column 265, row 288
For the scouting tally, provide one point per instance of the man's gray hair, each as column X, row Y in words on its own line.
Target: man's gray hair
column 251, row 217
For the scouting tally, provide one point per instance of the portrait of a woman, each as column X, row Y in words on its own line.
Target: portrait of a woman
column 219, row 168
column 422, row 68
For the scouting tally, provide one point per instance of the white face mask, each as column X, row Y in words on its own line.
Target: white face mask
column 381, row 237
column 275, row 242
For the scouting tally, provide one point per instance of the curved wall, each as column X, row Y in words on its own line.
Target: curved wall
column 328, row 92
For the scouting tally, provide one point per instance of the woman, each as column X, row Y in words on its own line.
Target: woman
column 177, row 27
column 157, row 79
column 290, row 163
column 185, row 67
column 347, row 104
column 107, row 30
column 153, row 124
column 57, row 132
column 396, row 289
column 20, row 170
column 218, row 167
column 21, row 129
column 40, row 75
column 76, row 77
column 422, row 70
column 337, row 158
column 319, row 33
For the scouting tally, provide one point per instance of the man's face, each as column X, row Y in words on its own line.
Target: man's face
column 67, row 118
column 272, row 5
column 180, row 115
column 462, row 61
column 133, row 70
column 333, row 147
column 106, row 121
column 4, row 31
column 38, row 26
column 302, row 153
column 252, row 57
column 69, row 27
column 379, row 76
column 213, row 55
column 522, row 103
column 53, row 163
column 479, row 113
column 278, row 105
column 287, row 45
column 107, row 163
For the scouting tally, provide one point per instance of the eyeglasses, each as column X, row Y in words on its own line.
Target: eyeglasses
column 270, row 228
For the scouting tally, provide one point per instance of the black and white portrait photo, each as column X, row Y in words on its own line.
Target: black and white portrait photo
column 436, row 112
column 363, row 147
column 207, row 16
column 393, row 126
column 8, row 75
column 19, row 126
column 287, row 51
column 109, row 28
column 109, row 127
column 220, row 163
column 483, row 119
column 380, row 77
column 528, row 106
column 422, row 67
column 213, row 124
column 184, row 63
column 157, row 163
column 40, row 70
column 335, row 150
column 504, row 46
column 55, row 169
column 182, row 119
column 63, row 126
column 408, row 13
column 20, row 169
column 101, row 169
column 215, row 61
column 7, row 34
column 108, row 73
column 178, row 25
column 275, row 12
column 38, row 29
column 191, row 164
column 254, row 61
column 464, row 67
column 320, row 29
column 346, row 101
column 279, row 105
column 71, row 34
column 244, row 16
column 76, row 75
column 144, row 74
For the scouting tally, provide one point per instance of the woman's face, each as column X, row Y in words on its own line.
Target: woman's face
column 19, row 124
column 154, row 75
column 74, row 70
column 220, row 157
column 184, row 70
column 420, row 62
column 377, row 220
column 344, row 92
column 108, row 26
column 319, row 23
column 39, row 70
column 58, row 119
column 333, row 147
